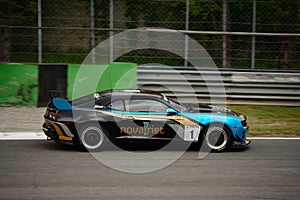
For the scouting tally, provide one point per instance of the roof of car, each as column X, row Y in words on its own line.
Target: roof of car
column 109, row 94
column 129, row 92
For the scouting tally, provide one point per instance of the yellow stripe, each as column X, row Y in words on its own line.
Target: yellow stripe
column 57, row 129
column 65, row 138
column 182, row 120
column 60, row 134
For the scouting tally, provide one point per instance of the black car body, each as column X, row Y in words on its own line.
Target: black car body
column 89, row 122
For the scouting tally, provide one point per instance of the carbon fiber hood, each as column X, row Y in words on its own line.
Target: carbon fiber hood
column 206, row 108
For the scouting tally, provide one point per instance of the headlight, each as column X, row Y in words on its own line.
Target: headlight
column 242, row 117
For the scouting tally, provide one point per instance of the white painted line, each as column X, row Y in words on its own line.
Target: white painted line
column 22, row 136
column 273, row 138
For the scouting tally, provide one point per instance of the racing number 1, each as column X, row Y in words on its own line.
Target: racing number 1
column 191, row 133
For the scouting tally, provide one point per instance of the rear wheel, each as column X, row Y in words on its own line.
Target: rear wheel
column 92, row 138
column 217, row 138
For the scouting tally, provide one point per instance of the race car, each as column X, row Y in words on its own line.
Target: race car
column 91, row 121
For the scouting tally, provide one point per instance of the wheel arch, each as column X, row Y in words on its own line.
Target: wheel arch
column 205, row 127
column 216, row 123
column 82, row 124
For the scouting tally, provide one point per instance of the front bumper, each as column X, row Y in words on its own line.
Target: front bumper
column 240, row 145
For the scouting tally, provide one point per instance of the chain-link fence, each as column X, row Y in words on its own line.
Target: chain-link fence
column 260, row 34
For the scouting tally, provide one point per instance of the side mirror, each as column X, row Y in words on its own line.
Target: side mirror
column 171, row 111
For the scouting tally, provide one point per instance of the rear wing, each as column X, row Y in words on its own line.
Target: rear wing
column 57, row 94
column 62, row 104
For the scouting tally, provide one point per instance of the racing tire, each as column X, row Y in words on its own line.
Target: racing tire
column 216, row 137
column 91, row 138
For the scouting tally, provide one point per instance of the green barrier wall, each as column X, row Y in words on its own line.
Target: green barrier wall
column 88, row 80
column 18, row 84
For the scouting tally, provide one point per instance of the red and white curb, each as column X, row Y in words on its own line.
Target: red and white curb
column 42, row 136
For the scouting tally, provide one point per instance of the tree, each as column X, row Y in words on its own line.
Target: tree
column 14, row 13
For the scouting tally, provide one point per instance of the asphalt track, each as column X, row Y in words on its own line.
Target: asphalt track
column 39, row 169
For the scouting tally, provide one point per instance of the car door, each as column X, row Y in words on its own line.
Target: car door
column 146, row 118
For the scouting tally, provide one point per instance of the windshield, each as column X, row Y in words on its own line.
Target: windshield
column 177, row 105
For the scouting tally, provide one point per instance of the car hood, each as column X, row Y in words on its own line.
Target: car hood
column 205, row 113
column 206, row 108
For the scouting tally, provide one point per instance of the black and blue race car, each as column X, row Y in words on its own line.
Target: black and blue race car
column 91, row 121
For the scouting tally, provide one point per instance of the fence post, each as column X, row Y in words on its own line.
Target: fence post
column 92, row 30
column 224, row 44
column 111, row 33
column 186, row 39
column 253, row 37
column 40, row 59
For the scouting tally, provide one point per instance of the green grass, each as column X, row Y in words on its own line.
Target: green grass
column 271, row 120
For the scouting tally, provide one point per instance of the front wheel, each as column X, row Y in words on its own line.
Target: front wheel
column 92, row 138
column 217, row 138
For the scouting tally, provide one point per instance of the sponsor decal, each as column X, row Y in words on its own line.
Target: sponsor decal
column 146, row 130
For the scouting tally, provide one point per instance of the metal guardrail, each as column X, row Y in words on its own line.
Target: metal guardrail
column 225, row 86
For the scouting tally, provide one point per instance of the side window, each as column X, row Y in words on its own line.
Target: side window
column 146, row 105
column 117, row 105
